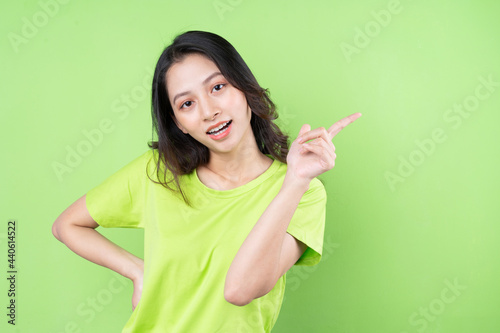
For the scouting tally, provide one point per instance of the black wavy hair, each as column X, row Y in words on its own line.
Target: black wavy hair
column 180, row 152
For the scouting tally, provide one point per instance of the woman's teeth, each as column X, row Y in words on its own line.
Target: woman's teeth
column 217, row 129
column 217, row 133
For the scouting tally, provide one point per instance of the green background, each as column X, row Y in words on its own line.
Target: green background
column 409, row 212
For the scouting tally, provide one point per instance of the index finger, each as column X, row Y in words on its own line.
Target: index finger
column 339, row 125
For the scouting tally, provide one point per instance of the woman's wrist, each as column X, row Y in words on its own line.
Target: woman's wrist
column 137, row 270
column 296, row 183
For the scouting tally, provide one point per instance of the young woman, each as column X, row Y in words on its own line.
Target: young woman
column 226, row 204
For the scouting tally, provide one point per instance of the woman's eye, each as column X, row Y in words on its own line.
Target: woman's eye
column 218, row 87
column 187, row 104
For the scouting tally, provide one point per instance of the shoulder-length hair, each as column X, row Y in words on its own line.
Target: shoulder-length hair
column 181, row 153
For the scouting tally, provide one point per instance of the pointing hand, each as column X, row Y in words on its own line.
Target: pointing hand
column 307, row 160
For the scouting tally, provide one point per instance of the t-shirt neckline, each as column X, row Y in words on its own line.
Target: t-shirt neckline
column 240, row 189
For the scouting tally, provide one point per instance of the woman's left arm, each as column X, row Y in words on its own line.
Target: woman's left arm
column 268, row 251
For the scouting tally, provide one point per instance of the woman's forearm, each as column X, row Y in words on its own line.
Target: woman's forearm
column 256, row 263
column 91, row 245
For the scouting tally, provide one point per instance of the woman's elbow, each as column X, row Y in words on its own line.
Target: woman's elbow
column 244, row 294
column 55, row 230
column 236, row 297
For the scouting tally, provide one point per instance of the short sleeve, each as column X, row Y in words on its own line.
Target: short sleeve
column 308, row 223
column 118, row 202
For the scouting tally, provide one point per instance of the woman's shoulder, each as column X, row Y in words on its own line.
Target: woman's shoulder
column 144, row 158
column 143, row 163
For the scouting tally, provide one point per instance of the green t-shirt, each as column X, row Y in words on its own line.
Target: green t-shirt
column 188, row 250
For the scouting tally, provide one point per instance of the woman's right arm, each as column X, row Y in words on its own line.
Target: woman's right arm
column 76, row 229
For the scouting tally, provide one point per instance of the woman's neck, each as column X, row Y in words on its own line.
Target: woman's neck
column 228, row 171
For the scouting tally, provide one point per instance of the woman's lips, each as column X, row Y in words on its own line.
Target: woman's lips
column 223, row 132
column 220, row 125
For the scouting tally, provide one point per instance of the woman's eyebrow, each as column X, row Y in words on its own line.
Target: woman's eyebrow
column 211, row 76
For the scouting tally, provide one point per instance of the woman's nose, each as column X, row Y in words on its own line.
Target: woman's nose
column 209, row 110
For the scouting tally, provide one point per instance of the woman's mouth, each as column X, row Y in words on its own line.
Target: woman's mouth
column 221, row 131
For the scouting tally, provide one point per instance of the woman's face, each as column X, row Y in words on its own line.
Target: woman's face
column 203, row 100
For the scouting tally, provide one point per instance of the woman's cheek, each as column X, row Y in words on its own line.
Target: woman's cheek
column 236, row 100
